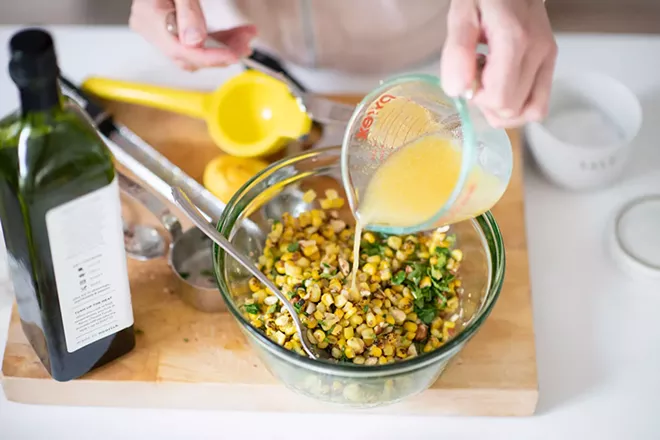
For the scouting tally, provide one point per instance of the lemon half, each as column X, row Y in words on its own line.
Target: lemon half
column 225, row 174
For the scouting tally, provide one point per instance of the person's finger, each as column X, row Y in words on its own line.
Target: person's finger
column 237, row 39
column 190, row 22
column 458, row 62
column 537, row 106
column 507, row 43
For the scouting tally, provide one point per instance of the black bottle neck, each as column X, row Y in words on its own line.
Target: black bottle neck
column 41, row 97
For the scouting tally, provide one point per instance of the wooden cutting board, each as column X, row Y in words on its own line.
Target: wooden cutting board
column 189, row 359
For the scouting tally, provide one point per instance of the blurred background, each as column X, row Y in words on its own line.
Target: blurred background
column 637, row 16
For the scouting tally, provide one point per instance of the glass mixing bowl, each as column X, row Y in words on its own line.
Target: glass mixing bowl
column 279, row 188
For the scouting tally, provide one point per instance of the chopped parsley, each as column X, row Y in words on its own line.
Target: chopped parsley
column 293, row 247
column 252, row 309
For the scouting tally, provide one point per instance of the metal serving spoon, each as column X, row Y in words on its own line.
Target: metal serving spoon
column 196, row 217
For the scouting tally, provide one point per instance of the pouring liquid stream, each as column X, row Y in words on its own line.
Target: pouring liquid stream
column 414, row 183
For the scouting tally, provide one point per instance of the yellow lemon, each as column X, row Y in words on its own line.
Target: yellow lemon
column 225, row 174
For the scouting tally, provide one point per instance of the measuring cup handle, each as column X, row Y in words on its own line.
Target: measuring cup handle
column 134, row 190
column 186, row 102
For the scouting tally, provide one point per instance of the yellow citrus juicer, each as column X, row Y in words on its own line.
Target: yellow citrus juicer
column 250, row 115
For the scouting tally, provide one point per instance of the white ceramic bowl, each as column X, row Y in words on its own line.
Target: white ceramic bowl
column 585, row 141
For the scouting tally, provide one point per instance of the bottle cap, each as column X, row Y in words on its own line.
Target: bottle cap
column 32, row 57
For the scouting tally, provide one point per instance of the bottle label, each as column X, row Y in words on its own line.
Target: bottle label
column 87, row 247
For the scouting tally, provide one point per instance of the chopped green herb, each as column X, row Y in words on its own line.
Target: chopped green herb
column 326, row 265
column 252, row 309
column 184, row 275
column 293, row 247
column 435, row 273
column 365, row 308
column 426, row 315
column 298, row 305
column 398, row 278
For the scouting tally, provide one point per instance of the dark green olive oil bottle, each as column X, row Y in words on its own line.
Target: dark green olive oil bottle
column 61, row 217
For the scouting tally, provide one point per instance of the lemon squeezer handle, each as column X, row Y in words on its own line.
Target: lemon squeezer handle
column 186, row 102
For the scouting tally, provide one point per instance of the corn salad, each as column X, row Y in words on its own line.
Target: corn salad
column 408, row 288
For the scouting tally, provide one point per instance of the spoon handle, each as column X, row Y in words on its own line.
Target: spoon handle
column 196, row 217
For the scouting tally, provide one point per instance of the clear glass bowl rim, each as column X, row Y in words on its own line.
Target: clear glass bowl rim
column 485, row 223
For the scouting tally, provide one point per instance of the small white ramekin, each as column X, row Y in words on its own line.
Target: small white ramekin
column 589, row 163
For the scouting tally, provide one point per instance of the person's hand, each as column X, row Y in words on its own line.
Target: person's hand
column 149, row 19
column 517, row 77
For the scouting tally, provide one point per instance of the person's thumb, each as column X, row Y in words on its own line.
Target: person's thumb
column 190, row 22
column 458, row 62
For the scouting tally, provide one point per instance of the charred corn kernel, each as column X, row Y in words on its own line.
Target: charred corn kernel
column 309, row 196
column 359, row 360
column 335, row 285
column 349, row 333
column 368, row 334
column 449, row 324
column 305, row 218
column 390, row 319
column 369, row 268
column 424, row 255
column 427, row 347
column 292, row 270
column 331, row 194
column 279, row 267
column 336, row 353
column 405, row 304
column 394, row 242
column 320, row 307
column 289, row 329
column 319, row 315
column 371, row 319
column 450, row 264
column 371, row 361
column 279, row 337
column 336, row 330
column 319, row 335
column 426, row 282
column 339, row 313
column 385, row 275
column 436, row 332
column 314, row 292
column 376, row 302
column 254, row 284
column 322, row 344
column 369, row 237
column 411, row 335
column 375, row 259
column 457, row 255
column 452, row 304
column 341, row 343
column 436, row 323
column 355, row 320
column 401, row 256
column 350, row 313
column 340, row 301
column 402, row 352
column 327, row 299
column 382, row 360
column 355, row 344
column 256, row 323
column 398, row 315
column 311, row 322
column 388, row 350
column 282, row 320
column 326, row 203
column 410, row 326
column 288, row 345
column 375, row 351
column 349, row 352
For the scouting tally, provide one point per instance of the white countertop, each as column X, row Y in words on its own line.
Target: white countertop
column 598, row 340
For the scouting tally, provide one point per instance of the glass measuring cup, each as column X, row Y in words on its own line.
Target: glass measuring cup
column 410, row 109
